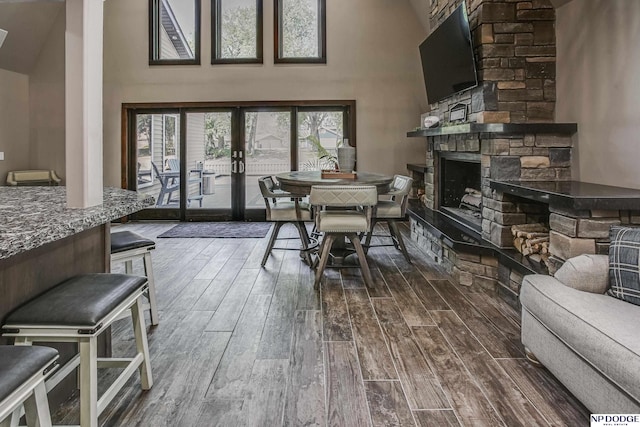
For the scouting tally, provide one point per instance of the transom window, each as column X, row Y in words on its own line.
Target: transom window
column 236, row 31
column 174, row 32
column 300, row 33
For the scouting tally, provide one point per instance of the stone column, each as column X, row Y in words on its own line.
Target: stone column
column 83, row 102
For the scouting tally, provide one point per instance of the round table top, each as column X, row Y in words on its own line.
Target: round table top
column 300, row 182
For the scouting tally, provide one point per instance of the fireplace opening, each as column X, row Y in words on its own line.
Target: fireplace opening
column 460, row 188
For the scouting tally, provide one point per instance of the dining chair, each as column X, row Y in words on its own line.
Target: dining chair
column 391, row 210
column 285, row 208
column 343, row 211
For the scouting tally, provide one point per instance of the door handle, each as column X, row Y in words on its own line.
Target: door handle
column 241, row 166
column 234, row 167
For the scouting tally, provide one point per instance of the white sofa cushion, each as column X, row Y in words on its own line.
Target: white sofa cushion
column 601, row 329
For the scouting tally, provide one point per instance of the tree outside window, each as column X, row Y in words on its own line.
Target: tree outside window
column 300, row 33
column 320, row 133
column 236, row 31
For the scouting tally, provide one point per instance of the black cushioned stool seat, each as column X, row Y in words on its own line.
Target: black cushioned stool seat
column 127, row 246
column 23, row 371
column 126, row 240
column 82, row 301
column 18, row 364
column 78, row 310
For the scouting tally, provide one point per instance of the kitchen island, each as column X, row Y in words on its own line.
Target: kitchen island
column 42, row 243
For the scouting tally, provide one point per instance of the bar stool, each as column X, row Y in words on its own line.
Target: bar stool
column 128, row 246
column 23, row 371
column 354, row 205
column 78, row 310
column 390, row 211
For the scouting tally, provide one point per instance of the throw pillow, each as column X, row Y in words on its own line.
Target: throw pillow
column 624, row 264
column 588, row 273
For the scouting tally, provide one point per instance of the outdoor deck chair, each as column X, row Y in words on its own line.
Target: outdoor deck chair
column 194, row 179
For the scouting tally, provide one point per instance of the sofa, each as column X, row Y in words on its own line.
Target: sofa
column 587, row 339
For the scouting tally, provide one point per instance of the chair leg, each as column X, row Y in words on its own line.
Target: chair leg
column 362, row 257
column 128, row 266
column 36, row 407
column 153, row 302
column 13, row 420
column 142, row 345
column 325, row 252
column 88, row 382
column 392, row 233
column 367, row 240
column 272, row 242
column 393, row 225
column 304, row 237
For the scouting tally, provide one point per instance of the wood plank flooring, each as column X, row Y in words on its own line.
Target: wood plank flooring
column 240, row 345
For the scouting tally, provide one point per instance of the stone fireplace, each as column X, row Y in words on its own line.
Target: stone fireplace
column 512, row 153
column 524, row 178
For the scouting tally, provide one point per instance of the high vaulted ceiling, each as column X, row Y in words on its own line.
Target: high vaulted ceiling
column 28, row 24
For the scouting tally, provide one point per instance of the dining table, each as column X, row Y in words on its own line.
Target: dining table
column 300, row 182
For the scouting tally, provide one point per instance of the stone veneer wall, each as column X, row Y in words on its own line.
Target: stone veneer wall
column 575, row 232
column 514, row 45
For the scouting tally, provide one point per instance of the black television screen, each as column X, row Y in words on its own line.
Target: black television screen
column 447, row 57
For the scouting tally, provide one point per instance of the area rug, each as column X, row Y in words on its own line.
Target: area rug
column 218, row 230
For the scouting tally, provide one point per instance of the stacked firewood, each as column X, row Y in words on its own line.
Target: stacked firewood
column 531, row 240
column 472, row 199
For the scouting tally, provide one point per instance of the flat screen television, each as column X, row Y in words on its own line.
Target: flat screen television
column 447, row 57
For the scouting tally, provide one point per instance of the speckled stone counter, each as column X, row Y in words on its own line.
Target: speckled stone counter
column 31, row 217
column 42, row 243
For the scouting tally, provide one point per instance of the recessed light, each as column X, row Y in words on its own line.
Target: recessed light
column 3, row 35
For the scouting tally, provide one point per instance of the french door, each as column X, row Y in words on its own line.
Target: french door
column 203, row 162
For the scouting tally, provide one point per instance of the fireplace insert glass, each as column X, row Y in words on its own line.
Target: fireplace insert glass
column 460, row 189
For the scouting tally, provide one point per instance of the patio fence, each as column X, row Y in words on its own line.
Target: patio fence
column 223, row 167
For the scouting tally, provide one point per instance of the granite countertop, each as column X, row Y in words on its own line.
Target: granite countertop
column 34, row 216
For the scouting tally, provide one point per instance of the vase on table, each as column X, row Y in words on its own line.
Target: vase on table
column 346, row 158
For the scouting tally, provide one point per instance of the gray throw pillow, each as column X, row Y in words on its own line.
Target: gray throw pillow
column 588, row 273
column 624, row 264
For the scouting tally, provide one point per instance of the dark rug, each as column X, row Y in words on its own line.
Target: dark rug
column 218, row 230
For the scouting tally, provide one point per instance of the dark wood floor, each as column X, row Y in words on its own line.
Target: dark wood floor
column 239, row 345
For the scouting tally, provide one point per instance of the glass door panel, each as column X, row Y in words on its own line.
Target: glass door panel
column 319, row 133
column 267, row 150
column 157, row 170
column 208, row 154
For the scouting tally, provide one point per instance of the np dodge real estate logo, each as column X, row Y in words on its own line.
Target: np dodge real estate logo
column 615, row 420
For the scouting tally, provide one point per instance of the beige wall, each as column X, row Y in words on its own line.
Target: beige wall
column 46, row 103
column 14, row 122
column 422, row 10
column 598, row 86
column 372, row 58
